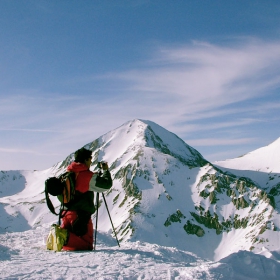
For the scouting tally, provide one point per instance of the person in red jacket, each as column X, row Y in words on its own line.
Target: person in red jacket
column 76, row 230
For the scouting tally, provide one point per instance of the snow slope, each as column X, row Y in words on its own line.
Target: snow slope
column 177, row 216
column 261, row 165
column 265, row 159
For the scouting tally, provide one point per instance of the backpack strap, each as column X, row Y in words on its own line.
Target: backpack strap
column 67, row 191
column 48, row 201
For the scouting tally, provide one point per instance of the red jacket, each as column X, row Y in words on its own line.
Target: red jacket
column 83, row 176
column 84, row 199
column 85, row 202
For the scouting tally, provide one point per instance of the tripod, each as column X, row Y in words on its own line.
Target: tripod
column 96, row 219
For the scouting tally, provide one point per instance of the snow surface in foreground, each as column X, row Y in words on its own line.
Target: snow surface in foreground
column 23, row 256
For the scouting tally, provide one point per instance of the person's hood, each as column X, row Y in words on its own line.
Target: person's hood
column 77, row 167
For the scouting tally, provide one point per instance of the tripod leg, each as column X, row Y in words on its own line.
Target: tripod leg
column 96, row 219
column 110, row 219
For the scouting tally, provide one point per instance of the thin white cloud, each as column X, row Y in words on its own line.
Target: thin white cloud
column 213, row 126
column 209, row 76
column 200, row 81
column 23, row 151
column 30, row 130
column 12, row 150
column 219, row 141
column 223, row 155
column 256, row 109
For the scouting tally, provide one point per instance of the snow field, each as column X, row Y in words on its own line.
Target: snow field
column 23, row 256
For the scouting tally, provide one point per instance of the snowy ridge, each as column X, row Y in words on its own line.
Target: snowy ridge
column 165, row 194
column 265, row 159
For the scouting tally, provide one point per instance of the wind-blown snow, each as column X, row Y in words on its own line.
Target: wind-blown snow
column 156, row 175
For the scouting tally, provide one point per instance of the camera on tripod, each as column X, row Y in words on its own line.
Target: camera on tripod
column 100, row 164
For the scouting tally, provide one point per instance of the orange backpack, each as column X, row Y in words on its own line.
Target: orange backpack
column 64, row 188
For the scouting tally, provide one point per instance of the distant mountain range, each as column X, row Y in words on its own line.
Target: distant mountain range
column 166, row 193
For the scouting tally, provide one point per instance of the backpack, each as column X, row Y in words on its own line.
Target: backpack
column 63, row 187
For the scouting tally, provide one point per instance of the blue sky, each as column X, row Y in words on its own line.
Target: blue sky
column 208, row 71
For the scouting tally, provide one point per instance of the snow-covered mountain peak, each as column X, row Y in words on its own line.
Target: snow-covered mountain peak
column 135, row 136
column 264, row 159
column 141, row 134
